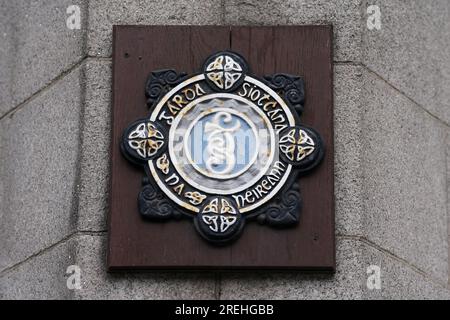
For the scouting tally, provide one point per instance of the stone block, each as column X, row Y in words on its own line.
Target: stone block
column 39, row 144
column 348, row 149
column 42, row 277
column 405, row 192
column 39, row 48
column 95, row 155
column 98, row 284
column 345, row 284
column 344, row 15
column 104, row 14
column 400, row 281
column 411, row 51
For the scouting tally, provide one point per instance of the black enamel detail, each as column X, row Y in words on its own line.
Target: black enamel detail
column 160, row 82
column 154, row 205
column 290, row 87
column 284, row 210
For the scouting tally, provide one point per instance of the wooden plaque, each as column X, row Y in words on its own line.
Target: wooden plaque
column 137, row 244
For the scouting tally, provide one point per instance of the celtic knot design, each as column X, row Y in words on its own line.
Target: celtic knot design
column 296, row 144
column 195, row 197
column 219, row 216
column 145, row 139
column 163, row 164
column 224, row 71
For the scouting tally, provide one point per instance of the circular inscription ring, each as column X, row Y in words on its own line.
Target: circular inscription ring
column 212, row 157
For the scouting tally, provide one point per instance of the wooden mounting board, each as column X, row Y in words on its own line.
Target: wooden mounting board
column 135, row 244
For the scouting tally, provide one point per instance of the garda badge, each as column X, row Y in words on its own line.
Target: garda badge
column 222, row 147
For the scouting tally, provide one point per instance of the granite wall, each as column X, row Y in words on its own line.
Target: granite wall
column 392, row 135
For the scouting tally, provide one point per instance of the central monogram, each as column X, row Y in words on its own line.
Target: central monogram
column 222, row 147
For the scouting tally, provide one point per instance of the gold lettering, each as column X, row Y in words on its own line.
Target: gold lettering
column 255, row 95
column 179, row 101
column 239, row 200
column 164, row 116
column 172, row 180
column 263, row 187
column 179, row 189
column 272, row 180
column 271, row 104
column 243, row 93
column 189, row 94
column 275, row 116
column 173, row 109
column 260, row 190
column 263, row 98
column 280, row 127
column 199, row 90
column 249, row 197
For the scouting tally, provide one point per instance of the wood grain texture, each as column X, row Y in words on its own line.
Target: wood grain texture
column 137, row 244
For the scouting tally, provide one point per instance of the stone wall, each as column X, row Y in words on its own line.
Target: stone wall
column 392, row 117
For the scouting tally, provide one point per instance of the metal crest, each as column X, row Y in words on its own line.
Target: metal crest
column 222, row 147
